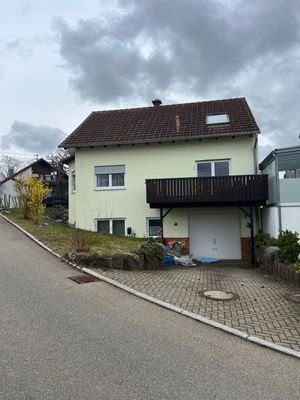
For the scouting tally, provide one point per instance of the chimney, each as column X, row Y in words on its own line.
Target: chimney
column 11, row 171
column 156, row 102
column 177, row 123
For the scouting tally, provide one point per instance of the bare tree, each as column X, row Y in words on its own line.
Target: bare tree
column 56, row 159
column 60, row 170
column 9, row 165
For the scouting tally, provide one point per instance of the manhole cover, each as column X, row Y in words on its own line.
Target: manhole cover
column 294, row 297
column 80, row 279
column 218, row 295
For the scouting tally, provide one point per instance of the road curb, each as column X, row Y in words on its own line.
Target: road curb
column 168, row 306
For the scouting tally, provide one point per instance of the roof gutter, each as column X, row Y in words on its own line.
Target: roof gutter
column 162, row 140
column 270, row 157
column 284, row 151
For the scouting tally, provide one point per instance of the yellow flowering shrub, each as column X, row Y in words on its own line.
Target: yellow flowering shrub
column 32, row 192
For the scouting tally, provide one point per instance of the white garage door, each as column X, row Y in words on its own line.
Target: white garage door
column 215, row 236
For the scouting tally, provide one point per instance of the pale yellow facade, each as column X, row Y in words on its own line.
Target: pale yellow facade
column 166, row 160
column 8, row 188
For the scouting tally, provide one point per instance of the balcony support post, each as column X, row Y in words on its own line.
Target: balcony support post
column 253, row 261
column 162, row 216
column 161, row 212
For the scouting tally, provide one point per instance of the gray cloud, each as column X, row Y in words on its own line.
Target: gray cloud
column 32, row 138
column 25, row 47
column 19, row 46
column 26, row 7
column 194, row 48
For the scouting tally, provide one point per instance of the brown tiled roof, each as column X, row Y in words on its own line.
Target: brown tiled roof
column 154, row 124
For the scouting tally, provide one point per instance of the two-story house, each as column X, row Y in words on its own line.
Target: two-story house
column 186, row 171
column 283, row 206
column 40, row 169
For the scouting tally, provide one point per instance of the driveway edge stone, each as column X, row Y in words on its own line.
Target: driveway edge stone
column 171, row 307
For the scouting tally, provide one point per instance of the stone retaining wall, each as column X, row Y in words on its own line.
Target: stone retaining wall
column 127, row 261
column 277, row 268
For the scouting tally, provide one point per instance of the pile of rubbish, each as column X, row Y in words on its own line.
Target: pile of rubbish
column 174, row 255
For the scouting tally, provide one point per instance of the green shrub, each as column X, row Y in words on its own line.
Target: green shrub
column 152, row 250
column 289, row 246
column 262, row 238
column 295, row 267
column 271, row 252
column 273, row 242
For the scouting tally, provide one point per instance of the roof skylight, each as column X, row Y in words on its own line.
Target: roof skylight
column 217, row 119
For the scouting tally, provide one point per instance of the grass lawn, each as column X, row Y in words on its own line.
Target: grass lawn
column 57, row 236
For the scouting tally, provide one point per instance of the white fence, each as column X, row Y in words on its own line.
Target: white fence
column 9, row 201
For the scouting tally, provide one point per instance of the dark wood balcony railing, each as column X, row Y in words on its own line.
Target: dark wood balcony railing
column 219, row 190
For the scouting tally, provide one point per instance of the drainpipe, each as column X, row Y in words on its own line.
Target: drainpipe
column 253, row 258
column 278, row 192
column 258, row 218
column 255, row 155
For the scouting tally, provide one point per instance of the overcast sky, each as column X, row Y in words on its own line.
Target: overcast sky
column 62, row 59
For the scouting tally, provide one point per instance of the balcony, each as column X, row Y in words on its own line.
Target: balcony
column 234, row 190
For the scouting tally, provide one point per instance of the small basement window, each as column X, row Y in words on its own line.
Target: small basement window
column 217, row 119
column 111, row 226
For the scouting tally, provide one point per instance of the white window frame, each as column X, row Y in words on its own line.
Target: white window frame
column 110, row 185
column 212, row 163
column 226, row 115
column 148, row 225
column 111, row 224
column 73, row 182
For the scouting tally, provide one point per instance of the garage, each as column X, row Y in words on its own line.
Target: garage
column 215, row 235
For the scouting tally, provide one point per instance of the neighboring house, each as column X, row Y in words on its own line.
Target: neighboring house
column 190, row 169
column 283, row 207
column 38, row 169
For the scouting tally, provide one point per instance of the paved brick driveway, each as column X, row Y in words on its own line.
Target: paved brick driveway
column 260, row 310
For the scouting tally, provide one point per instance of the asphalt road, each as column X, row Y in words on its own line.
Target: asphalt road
column 60, row 340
